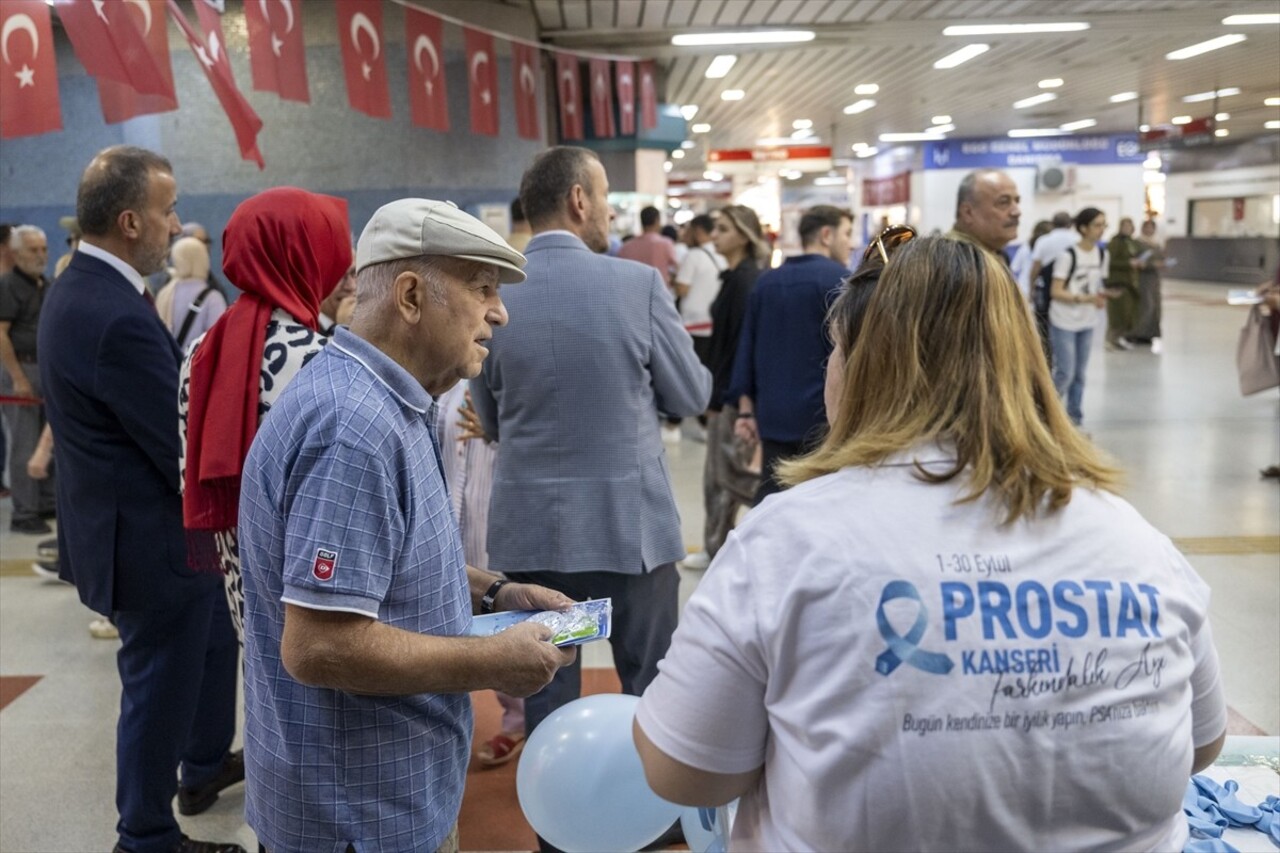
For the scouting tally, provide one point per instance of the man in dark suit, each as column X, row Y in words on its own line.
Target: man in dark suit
column 110, row 374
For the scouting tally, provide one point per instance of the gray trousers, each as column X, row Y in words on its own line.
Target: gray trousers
column 30, row 497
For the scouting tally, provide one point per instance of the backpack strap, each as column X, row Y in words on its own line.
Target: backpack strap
column 193, row 311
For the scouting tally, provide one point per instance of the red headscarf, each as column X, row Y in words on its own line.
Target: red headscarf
column 284, row 248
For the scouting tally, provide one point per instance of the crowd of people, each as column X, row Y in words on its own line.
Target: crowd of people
column 371, row 443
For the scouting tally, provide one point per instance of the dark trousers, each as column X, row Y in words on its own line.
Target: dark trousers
column 645, row 609
column 178, row 672
column 30, row 497
column 771, row 453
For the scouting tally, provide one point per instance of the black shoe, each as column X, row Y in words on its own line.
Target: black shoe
column 190, row 845
column 34, row 526
column 48, row 514
column 192, row 801
column 47, row 550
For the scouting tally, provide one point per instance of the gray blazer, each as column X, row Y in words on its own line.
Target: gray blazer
column 572, row 388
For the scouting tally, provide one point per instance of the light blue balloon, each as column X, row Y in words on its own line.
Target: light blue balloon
column 699, row 826
column 581, row 784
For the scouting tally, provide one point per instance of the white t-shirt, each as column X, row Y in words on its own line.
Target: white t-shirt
column 700, row 269
column 908, row 735
column 1054, row 243
column 1087, row 280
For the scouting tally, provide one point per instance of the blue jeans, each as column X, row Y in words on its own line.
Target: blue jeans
column 1070, row 359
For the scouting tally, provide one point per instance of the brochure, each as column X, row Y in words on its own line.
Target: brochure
column 585, row 622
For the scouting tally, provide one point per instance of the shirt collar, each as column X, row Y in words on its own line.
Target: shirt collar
column 118, row 264
column 389, row 374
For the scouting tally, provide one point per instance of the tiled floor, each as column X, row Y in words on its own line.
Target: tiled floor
column 1191, row 445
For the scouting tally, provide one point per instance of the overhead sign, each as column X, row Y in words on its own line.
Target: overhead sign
column 1190, row 135
column 806, row 158
column 1003, row 153
column 879, row 192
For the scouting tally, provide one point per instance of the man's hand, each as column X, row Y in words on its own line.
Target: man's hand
column 38, row 464
column 745, row 429
column 527, row 596
column 526, row 659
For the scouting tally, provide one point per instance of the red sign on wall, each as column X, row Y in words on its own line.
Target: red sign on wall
column 878, row 192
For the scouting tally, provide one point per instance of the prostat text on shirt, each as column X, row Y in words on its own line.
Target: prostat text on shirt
column 1055, row 654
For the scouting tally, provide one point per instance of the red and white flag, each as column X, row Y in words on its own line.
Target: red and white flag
column 626, row 80
column 602, row 124
column 211, row 27
column 363, row 59
column 524, row 83
column 110, row 45
column 428, row 101
column 277, row 54
column 244, row 121
column 29, row 103
column 482, row 81
column 648, row 95
column 121, row 101
column 569, row 91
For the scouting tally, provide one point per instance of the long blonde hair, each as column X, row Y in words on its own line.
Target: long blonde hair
column 947, row 353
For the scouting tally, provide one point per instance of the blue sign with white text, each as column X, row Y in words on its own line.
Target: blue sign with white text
column 1003, row 153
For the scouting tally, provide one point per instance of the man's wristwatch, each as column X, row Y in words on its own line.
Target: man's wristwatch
column 491, row 595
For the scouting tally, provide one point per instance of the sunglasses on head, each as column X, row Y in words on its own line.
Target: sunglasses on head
column 889, row 240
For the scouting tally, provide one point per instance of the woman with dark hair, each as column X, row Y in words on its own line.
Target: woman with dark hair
column 1077, row 292
column 728, row 483
column 286, row 249
column 950, row 633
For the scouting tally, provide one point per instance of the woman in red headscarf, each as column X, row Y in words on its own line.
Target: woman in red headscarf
column 286, row 249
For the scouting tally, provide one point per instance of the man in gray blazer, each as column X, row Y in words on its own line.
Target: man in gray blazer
column 573, row 387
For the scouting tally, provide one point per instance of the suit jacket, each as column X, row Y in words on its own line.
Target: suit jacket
column 110, row 373
column 572, row 388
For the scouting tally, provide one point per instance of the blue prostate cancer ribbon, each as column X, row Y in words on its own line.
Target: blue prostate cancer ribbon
column 906, row 649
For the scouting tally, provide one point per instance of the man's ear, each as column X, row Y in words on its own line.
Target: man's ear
column 130, row 224
column 408, row 293
column 577, row 206
column 826, row 235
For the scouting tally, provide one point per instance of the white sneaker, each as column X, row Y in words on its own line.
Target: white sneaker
column 1157, row 346
column 696, row 562
column 46, row 571
column 1124, row 343
column 671, row 434
column 102, row 629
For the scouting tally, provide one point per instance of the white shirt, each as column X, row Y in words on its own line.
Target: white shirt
column 700, row 270
column 780, row 660
column 1054, row 243
column 118, row 264
column 1087, row 280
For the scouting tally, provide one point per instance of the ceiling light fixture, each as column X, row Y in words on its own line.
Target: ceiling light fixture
column 911, row 137
column 1143, row 128
column 687, row 144
column 1222, row 131
column 720, row 66
column 1153, row 161
column 867, row 152
column 667, row 165
column 1209, row 96
column 1180, row 120
column 803, row 133
column 858, row 146
column 1271, row 125
column 742, row 37
column 829, row 181
column 964, row 54
column 774, row 141
column 1013, row 29
column 859, row 107
column 1042, row 98
column 1222, row 117
column 713, row 176
column 701, row 127
column 940, row 128
column 1051, row 83
column 732, row 95
column 802, row 123
column 678, row 154
column 1249, row 20
column 866, row 88
column 944, row 119
column 1272, row 102
column 1078, row 125
column 1205, row 46
column 689, row 111
column 1122, row 97
column 1020, row 133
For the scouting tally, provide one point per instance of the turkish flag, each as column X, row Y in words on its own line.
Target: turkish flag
column 109, row 44
column 365, row 64
column 211, row 26
column 244, row 121
column 648, row 95
column 602, row 125
column 428, row 102
column 626, row 80
column 524, row 82
column 121, row 101
column 569, row 89
column 482, row 79
column 277, row 54
column 28, row 76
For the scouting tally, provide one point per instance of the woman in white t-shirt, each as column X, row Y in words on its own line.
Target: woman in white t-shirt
column 949, row 634
column 1077, row 293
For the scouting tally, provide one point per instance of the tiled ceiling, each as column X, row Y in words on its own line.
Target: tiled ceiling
column 893, row 43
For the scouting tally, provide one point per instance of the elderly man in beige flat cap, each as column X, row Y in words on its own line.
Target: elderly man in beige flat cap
column 357, row 599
